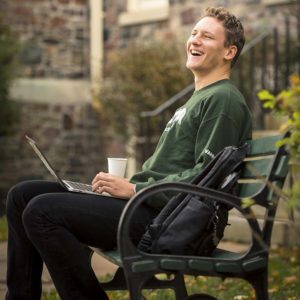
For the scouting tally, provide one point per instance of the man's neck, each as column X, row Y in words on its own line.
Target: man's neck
column 202, row 81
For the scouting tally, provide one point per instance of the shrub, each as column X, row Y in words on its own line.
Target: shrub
column 287, row 103
column 139, row 78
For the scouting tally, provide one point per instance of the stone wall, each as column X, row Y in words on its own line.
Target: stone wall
column 54, row 35
column 256, row 16
column 71, row 136
column 55, row 107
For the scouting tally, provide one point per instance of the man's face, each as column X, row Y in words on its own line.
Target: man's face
column 205, row 47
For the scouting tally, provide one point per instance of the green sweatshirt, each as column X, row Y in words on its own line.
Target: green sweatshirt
column 213, row 118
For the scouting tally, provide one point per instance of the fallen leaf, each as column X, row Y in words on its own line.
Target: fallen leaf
column 240, row 297
column 290, row 279
column 273, row 290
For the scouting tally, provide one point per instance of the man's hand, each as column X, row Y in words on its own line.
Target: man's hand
column 114, row 185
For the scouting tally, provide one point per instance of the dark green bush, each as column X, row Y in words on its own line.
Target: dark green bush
column 139, row 78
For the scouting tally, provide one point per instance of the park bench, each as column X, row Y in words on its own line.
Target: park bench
column 263, row 174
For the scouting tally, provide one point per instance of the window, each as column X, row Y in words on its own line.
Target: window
column 144, row 11
column 276, row 2
column 142, row 5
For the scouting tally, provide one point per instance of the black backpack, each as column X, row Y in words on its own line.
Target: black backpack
column 194, row 225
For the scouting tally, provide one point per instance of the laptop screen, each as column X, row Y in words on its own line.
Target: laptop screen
column 43, row 158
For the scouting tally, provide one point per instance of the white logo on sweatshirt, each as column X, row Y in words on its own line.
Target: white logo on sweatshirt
column 209, row 153
column 177, row 118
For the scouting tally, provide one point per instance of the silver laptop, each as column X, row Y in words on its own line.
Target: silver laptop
column 69, row 185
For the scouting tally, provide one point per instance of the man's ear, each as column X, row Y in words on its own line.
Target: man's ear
column 230, row 52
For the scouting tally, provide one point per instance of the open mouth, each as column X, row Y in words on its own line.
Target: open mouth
column 196, row 53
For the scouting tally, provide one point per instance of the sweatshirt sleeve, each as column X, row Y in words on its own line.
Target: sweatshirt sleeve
column 211, row 138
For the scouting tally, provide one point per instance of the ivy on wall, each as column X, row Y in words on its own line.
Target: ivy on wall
column 8, row 61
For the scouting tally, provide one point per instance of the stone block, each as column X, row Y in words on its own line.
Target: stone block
column 187, row 16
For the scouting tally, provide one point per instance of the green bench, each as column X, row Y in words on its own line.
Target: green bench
column 265, row 167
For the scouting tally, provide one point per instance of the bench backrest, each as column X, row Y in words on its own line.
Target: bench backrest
column 264, row 172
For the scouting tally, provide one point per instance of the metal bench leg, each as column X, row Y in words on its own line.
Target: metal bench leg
column 118, row 282
column 134, row 285
column 180, row 289
column 259, row 282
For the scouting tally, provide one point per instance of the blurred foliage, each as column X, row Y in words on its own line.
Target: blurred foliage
column 139, row 78
column 3, row 229
column 9, row 48
column 287, row 103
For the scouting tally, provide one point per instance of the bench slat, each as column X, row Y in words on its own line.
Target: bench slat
column 249, row 189
column 283, row 168
column 256, row 168
column 263, row 146
column 111, row 255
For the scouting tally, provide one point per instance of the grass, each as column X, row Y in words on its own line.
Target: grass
column 284, row 273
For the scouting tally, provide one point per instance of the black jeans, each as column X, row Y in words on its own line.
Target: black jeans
column 46, row 223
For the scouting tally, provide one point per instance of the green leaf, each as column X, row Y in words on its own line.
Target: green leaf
column 247, row 202
column 265, row 95
column 269, row 104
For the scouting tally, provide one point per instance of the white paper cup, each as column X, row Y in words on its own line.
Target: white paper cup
column 117, row 166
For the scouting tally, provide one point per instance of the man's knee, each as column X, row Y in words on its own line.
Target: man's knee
column 14, row 203
column 35, row 216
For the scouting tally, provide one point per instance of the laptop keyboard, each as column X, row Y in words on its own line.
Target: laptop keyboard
column 83, row 187
column 79, row 186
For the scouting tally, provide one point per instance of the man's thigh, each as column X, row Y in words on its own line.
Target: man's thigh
column 92, row 219
column 23, row 192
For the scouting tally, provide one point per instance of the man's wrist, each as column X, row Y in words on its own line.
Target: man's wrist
column 134, row 188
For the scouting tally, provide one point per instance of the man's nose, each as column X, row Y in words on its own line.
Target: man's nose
column 196, row 39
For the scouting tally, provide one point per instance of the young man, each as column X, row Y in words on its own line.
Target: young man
column 48, row 224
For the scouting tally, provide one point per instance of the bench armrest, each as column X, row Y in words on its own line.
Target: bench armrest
column 125, row 245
